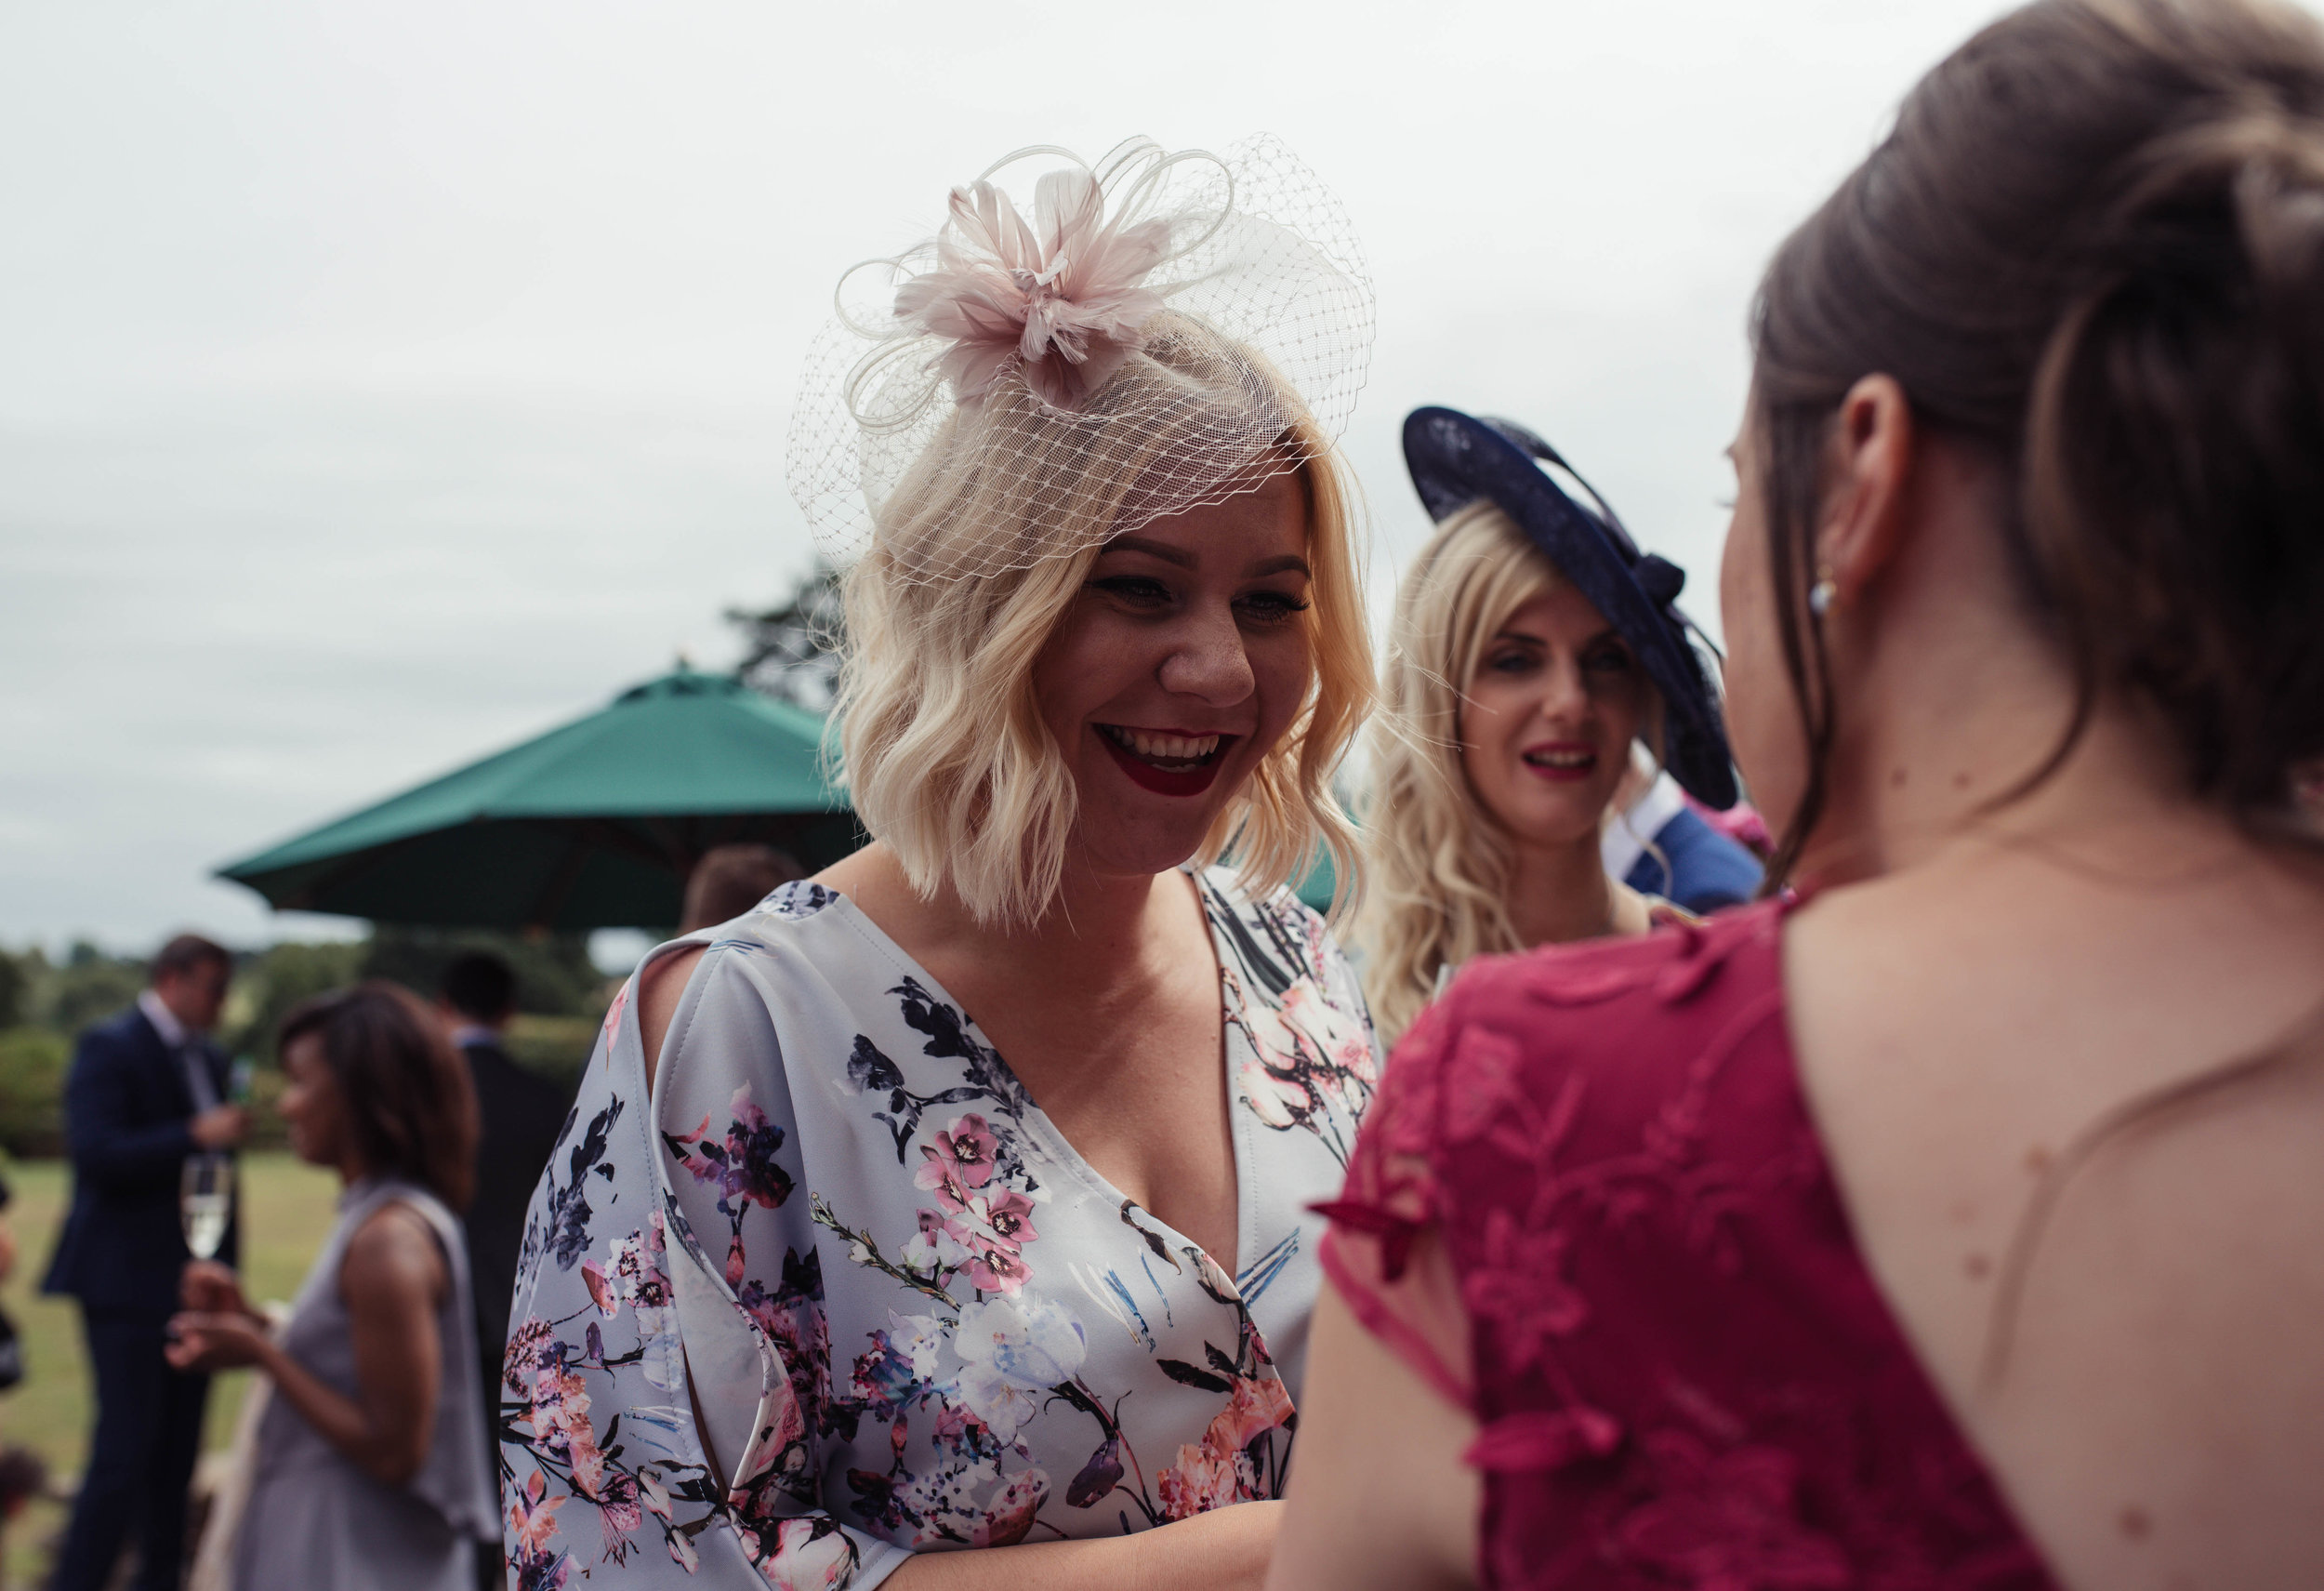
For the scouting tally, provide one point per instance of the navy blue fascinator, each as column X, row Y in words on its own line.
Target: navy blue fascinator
column 1457, row 459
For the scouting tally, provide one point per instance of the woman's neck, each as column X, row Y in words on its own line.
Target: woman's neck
column 1558, row 894
column 1102, row 930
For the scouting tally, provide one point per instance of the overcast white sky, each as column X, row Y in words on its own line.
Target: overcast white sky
column 381, row 384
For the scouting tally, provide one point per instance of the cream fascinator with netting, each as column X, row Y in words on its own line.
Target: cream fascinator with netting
column 1149, row 334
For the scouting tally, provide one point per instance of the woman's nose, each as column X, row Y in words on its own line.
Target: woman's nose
column 1565, row 694
column 1208, row 663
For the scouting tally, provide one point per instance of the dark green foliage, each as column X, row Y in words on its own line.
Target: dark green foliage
column 14, row 991
column 33, row 1062
column 88, row 988
column 793, row 649
column 554, row 976
column 560, row 998
column 268, row 983
column 556, row 1047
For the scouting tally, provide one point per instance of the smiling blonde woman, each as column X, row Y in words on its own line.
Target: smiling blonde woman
column 1533, row 647
column 945, row 1219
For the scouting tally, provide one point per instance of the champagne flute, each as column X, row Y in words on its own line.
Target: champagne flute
column 205, row 1203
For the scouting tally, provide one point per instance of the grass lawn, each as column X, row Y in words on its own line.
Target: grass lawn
column 288, row 1208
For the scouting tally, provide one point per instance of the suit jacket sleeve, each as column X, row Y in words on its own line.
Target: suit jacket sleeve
column 99, row 1105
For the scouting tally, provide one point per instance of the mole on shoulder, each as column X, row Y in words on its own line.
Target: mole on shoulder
column 1979, row 1266
column 1897, row 777
column 2037, row 1159
column 2136, row 1524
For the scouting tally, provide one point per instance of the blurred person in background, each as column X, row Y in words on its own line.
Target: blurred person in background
column 1534, row 649
column 1958, row 1222
column 1660, row 841
column 370, row 1470
column 518, row 1116
column 147, row 1090
column 730, row 880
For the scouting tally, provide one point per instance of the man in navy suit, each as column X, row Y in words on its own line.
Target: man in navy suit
column 519, row 1115
column 1659, row 845
column 147, row 1090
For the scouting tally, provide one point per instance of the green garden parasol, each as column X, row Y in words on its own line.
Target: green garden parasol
column 595, row 825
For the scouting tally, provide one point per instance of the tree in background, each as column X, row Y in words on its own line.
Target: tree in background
column 560, row 998
column 791, row 651
column 14, row 987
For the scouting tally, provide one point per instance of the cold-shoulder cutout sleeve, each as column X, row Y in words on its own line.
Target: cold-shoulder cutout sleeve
column 1384, row 1252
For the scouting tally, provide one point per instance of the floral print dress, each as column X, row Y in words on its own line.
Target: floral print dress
column 911, row 1318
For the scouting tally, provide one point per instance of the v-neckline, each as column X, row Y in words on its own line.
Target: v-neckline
column 1061, row 1147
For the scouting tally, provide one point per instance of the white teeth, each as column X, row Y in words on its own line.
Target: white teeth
column 1560, row 759
column 1164, row 748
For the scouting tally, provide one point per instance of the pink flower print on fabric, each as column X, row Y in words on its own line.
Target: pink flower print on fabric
column 1009, row 1519
column 613, row 1021
column 1304, row 1055
column 618, row 1515
column 1335, row 1035
column 960, row 1162
column 533, row 1523
column 969, row 1145
column 530, row 1345
column 1060, row 301
column 995, row 1267
column 1217, row 1471
column 742, row 1163
column 560, row 1417
column 800, row 1555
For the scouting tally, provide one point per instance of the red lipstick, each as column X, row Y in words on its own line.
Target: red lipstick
column 1167, row 781
column 1576, row 761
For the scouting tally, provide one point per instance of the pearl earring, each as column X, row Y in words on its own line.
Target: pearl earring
column 1821, row 595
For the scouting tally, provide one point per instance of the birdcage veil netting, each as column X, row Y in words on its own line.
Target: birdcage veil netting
column 1147, row 334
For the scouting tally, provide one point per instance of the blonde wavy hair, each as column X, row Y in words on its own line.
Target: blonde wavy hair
column 1437, row 866
column 943, row 747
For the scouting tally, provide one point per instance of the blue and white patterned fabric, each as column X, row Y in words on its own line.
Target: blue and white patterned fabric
column 912, row 1317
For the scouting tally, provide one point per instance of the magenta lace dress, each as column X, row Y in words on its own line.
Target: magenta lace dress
column 1639, row 1280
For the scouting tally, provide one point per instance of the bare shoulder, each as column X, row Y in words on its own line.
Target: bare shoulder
column 661, row 986
column 394, row 1252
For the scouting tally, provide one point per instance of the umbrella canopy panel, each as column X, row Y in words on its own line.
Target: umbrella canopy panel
column 594, row 825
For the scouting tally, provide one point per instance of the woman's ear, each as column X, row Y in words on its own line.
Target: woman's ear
column 1867, row 471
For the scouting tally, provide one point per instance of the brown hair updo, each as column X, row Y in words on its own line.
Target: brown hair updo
column 2093, row 247
column 409, row 1101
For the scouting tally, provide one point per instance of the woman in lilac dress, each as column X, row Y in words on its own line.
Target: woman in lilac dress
column 943, row 1221
column 369, row 1473
column 1961, row 1223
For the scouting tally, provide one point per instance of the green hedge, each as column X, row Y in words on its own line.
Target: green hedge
column 32, row 1062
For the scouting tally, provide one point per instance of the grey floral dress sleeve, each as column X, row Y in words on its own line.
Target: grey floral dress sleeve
column 911, row 1318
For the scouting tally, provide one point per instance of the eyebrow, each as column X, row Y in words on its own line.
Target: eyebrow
column 1185, row 560
column 1608, row 633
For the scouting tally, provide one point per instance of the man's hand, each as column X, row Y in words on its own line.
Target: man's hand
column 220, row 1127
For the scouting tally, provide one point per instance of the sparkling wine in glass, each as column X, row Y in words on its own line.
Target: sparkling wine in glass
column 205, row 1203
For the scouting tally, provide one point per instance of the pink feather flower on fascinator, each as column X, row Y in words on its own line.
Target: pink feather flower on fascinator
column 1062, row 301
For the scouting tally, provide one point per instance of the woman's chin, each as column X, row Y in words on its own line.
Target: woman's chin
column 1557, row 831
column 1133, row 845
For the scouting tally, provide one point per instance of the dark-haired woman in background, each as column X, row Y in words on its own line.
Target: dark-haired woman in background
column 370, row 1468
column 1963, row 1226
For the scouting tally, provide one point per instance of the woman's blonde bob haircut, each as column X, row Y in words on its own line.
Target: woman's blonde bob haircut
column 943, row 745
column 1438, row 866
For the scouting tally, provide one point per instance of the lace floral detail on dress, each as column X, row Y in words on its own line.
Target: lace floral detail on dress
column 1683, row 1374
